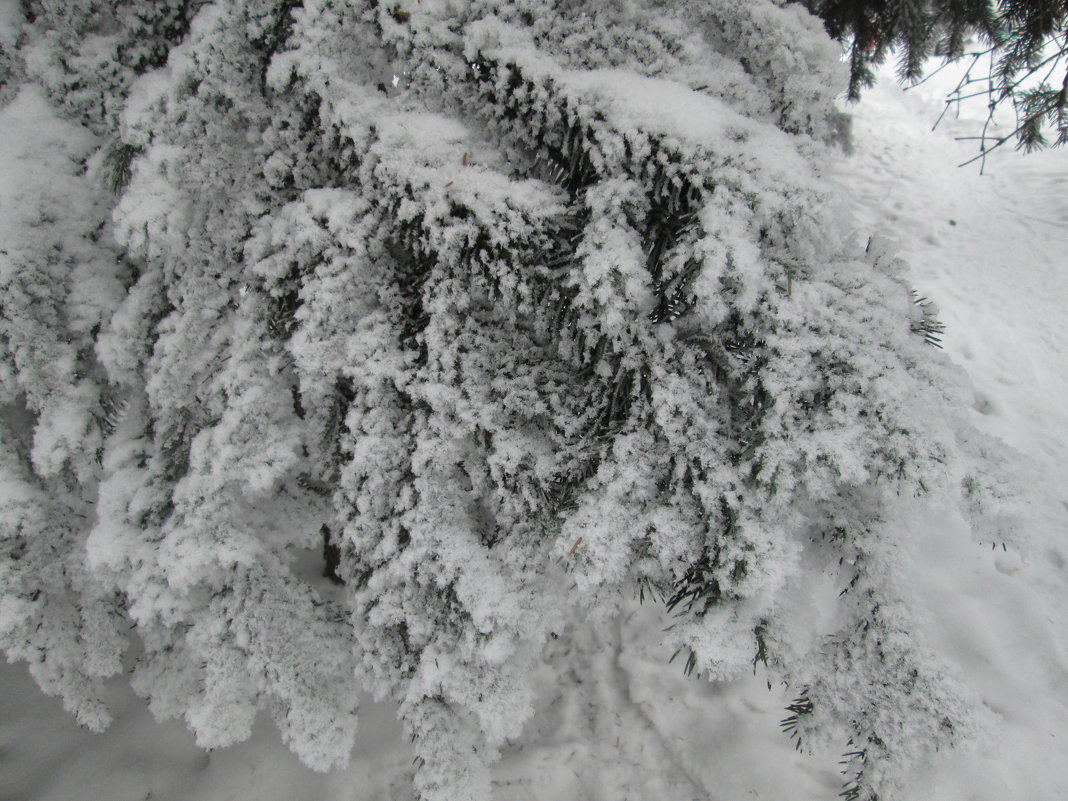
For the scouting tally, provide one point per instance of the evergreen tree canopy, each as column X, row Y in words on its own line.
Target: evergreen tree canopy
column 520, row 307
column 1017, row 49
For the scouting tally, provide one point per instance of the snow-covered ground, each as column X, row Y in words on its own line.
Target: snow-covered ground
column 615, row 722
column 991, row 250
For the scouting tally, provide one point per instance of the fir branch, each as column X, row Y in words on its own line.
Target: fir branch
column 118, row 165
column 800, row 708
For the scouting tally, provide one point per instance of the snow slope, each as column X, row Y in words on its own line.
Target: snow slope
column 615, row 721
column 991, row 251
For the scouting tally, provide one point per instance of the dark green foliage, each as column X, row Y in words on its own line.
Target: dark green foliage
column 918, row 29
column 118, row 161
column 153, row 27
column 1018, row 51
column 761, row 655
column 274, row 37
column 853, row 763
column 691, row 661
column 799, row 708
column 94, row 50
column 701, row 586
column 331, row 556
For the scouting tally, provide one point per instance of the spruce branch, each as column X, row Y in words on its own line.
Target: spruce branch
column 118, row 165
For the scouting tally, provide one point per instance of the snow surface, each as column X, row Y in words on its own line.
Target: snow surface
column 614, row 720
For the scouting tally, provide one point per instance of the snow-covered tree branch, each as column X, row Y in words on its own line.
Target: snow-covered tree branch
column 515, row 309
